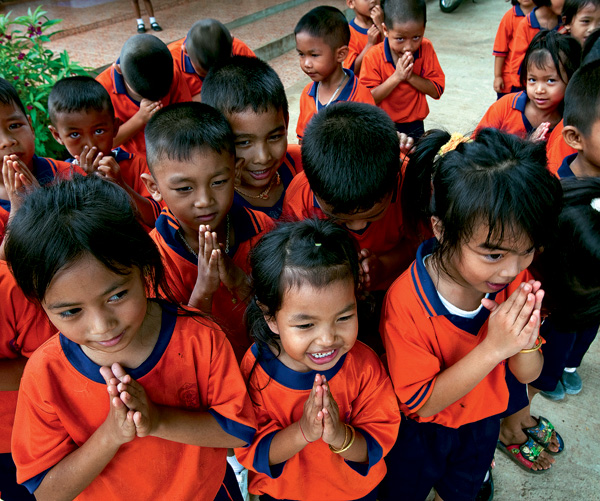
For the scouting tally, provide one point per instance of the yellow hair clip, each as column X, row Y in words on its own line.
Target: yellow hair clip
column 455, row 140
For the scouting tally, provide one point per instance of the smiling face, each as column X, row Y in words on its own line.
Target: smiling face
column 405, row 37
column 317, row 326
column 16, row 134
column 317, row 59
column 363, row 7
column 91, row 128
column 586, row 20
column 260, row 146
column 545, row 89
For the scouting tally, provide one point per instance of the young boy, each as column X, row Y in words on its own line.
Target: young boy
column 139, row 83
column 322, row 37
column 580, row 18
column 204, row 241
column 338, row 147
column 404, row 69
column 208, row 43
column 365, row 31
column 83, row 121
column 20, row 165
column 251, row 96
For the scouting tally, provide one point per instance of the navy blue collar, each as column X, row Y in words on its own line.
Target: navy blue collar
column 287, row 377
column 352, row 23
column 519, row 103
column 518, row 11
column 565, row 167
column 536, row 24
column 91, row 370
column 120, row 84
column 344, row 95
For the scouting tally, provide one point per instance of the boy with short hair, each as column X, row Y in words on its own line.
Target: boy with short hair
column 582, row 123
column 207, row 44
column 251, row 96
column 355, row 181
column 365, row 31
column 322, row 37
column 83, row 121
column 203, row 240
column 139, row 83
column 404, row 69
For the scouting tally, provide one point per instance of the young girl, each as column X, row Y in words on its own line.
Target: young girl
column 130, row 384
column 491, row 203
column 326, row 410
column 549, row 63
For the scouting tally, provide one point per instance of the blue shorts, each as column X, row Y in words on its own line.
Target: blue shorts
column 230, row 490
column 413, row 129
column 9, row 489
column 454, row 461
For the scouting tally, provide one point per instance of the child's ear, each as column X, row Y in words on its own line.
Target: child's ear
column 117, row 67
column 437, row 227
column 55, row 135
column 270, row 319
column 385, row 30
column 350, row 4
column 566, row 26
column 573, row 137
column 152, row 186
column 341, row 53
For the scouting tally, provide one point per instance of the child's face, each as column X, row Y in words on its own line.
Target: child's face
column 260, row 145
column 197, row 192
column 588, row 146
column 556, row 6
column 545, row 88
column 357, row 221
column 584, row 22
column 16, row 134
column 362, row 7
column 317, row 326
column 526, row 4
column 405, row 37
column 317, row 59
column 489, row 268
column 97, row 308
column 85, row 128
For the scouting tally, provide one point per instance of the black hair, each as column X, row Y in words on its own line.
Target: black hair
column 208, row 43
column 350, row 155
column 572, row 7
column 566, row 266
column 564, row 51
column 180, row 130
column 542, row 3
column 77, row 94
column 403, row 11
column 327, row 23
column 61, row 223
column 498, row 179
column 244, row 83
column 313, row 251
column 9, row 95
column 514, row 2
column 591, row 49
column 147, row 66
column 582, row 99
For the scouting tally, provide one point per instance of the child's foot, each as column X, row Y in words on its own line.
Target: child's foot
column 141, row 28
column 542, row 431
column 540, row 460
column 154, row 25
column 571, row 381
column 556, row 394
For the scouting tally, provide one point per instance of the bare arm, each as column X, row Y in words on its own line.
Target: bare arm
column 137, row 122
column 423, row 85
column 498, row 81
column 11, row 371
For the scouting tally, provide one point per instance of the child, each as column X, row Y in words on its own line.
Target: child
column 404, row 68
column 549, row 63
column 83, row 121
column 139, row 83
column 175, row 398
column 327, row 410
column 504, row 82
column 491, row 204
column 207, row 44
column 23, row 328
column 339, row 147
column 251, row 96
column 580, row 18
column 203, row 239
column 21, row 166
column 365, row 31
column 545, row 16
column 141, row 28
column 322, row 37
column 582, row 124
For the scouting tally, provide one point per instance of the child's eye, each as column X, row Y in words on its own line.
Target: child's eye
column 345, row 318
column 184, row 189
column 417, row 38
column 494, row 257
column 99, row 131
column 276, row 137
column 220, row 182
column 400, row 40
column 304, row 326
column 242, row 144
column 16, row 125
column 69, row 313
column 117, row 296
column 74, row 135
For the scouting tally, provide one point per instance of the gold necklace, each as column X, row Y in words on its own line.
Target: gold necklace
column 264, row 195
column 189, row 247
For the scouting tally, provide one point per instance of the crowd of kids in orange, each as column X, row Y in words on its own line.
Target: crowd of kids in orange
column 192, row 308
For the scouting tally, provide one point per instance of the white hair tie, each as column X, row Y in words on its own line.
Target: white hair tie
column 595, row 203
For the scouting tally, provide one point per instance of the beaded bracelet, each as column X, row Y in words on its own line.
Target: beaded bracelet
column 538, row 344
column 347, row 443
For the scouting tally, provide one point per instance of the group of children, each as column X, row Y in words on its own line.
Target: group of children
column 349, row 318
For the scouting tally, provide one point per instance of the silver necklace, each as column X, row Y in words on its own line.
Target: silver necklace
column 188, row 247
column 334, row 94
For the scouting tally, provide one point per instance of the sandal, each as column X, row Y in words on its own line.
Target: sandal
column 156, row 27
column 542, row 434
column 524, row 455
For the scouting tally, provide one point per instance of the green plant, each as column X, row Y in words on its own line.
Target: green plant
column 33, row 69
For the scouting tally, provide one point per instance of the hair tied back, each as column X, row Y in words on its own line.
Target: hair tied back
column 455, row 139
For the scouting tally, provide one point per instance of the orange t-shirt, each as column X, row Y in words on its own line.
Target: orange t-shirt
column 503, row 43
column 556, row 148
column 358, row 41
column 508, row 114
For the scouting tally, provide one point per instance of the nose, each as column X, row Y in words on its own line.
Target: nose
column 512, row 267
column 7, row 140
column 263, row 154
column 540, row 87
column 101, row 323
column 307, row 62
column 203, row 198
column 327, row 336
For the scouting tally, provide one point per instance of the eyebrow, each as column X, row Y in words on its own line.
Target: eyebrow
column 244, row 135
column 504, row 249
column 112, row 288
column 305, row 316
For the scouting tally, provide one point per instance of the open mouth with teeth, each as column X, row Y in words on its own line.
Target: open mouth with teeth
column 324, row 356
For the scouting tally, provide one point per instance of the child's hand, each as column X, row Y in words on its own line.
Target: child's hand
column 514, row 325
column 109, row 168
column 133, row 395
column 377, row 17
column 498, row 85
column 16, row 176
column 232, row 276
column 334, row 431
column 311, row 422
column 208, row 259
column 540, row 133
column 404, row 67
column 89, row 159
column 373, row 35
column 119, row 425
column 370, row 267
column 147, row 109
column 406, row 142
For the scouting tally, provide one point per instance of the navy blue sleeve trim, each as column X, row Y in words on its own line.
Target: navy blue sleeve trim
column 34, row 482
column 241, row 431
column 374, row 453
column 261, row 457
column 419, row 396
